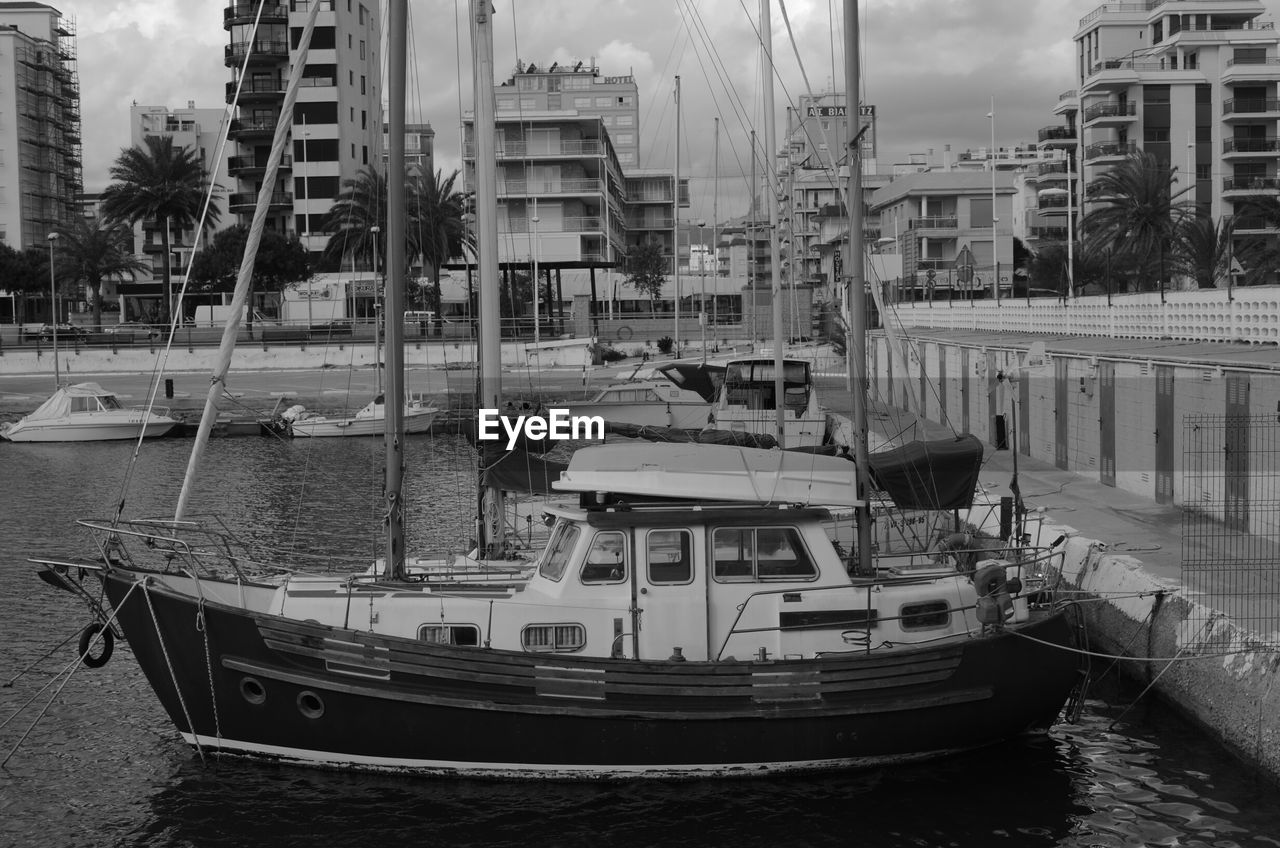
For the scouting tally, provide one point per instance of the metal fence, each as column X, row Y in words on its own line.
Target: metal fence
column 1231, row 517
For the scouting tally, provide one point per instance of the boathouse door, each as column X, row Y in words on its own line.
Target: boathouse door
column 1164, row 434
column 671, row 593
column 1107, row 421
column 1061, row 414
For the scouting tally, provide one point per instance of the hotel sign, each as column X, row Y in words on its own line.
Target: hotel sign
column 838, row 111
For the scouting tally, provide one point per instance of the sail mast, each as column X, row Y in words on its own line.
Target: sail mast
column 393, row 287
column 489, row 382
column 240, row 298
column 775, row 270
column 855, row 294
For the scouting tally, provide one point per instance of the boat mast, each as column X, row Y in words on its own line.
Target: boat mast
column 855, row 294
column 240, row 298
column 393, row 288
column 489, row 380
column 675, row 223
column 771, row 177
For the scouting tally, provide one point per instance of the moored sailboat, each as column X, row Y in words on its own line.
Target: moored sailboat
column 689, row 615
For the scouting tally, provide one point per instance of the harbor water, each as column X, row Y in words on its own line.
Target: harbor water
column 104, row 766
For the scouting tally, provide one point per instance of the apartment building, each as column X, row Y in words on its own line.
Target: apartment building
column 954, row 230
column 337, row 120
column 41, row 170
column 1193, row 82
column 419, row 149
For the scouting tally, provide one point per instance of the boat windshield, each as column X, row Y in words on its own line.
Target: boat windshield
column 762, row 372
column 110, row 402
column 559, row 548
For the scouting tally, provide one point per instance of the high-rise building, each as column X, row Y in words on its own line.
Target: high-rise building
column 41, row 170
column 198, row 130
column 337, row 120
column 1194, row 84
column 419, row 148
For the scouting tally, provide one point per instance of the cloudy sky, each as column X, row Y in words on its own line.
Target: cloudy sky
column 930, row 67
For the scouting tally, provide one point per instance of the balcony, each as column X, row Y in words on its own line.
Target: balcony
column 1108, row 151
column 568, row 224
column 1247, row 186
column 253, row 127
column 1245, row 148
column 933, row 222
column 549, row 187
column 1048, row 169
column 1068, row 101
column 1251, row 225
column 245, row 201
column 255, row 51
column 640, row 223
column 1110, row 113
column 1111, row 73
column 1059, row 200
column 247, row 13
column 1049, row 233
column 256, row 90
column 1250, row 72
column 1251, row 108
column 237, row 165
column 1057, row 136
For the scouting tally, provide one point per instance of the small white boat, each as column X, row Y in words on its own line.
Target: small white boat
column 659, row 400
column 86, row 412
column 746, row 401
column 369, row 421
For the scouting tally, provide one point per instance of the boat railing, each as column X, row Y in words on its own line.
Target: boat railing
column 1038, row 570
column 200, row 547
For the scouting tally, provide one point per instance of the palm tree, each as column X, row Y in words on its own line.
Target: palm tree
column 162, row 184
column 1259, row 254
column 360, row 207
column 93, row 250
column 1204, row 250
column 436, row 212
column 1137, row 215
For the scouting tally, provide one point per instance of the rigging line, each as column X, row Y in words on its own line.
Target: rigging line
column 159, row 365
column 735, row 101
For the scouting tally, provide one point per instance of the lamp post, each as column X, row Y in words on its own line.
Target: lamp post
column 375, row 230
column 537, row 322
column 53, row 305
column 702, row 297
column 306, row 214
column 995, row 222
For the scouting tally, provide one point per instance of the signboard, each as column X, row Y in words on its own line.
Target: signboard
column 838, row 111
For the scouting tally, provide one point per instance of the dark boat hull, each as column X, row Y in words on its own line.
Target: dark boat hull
column 273, row 687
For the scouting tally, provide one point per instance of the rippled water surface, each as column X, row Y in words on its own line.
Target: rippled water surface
column 105, row 767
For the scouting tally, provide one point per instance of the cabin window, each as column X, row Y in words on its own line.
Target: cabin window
column 929, row 615
column 450, row 634
column 84, row 404
column 761, row 553
column 554, row 638
column 670, row 556
column 607, row 560
column 559, row 548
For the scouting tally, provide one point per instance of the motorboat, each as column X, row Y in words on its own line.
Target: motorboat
column 655, row 397
column 86, row 412
column 747, row 401
column 370, row 420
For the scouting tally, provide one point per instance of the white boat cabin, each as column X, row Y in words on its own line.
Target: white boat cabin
column 747, row 401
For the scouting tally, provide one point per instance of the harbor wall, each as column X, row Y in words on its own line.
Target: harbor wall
column 1219, row 675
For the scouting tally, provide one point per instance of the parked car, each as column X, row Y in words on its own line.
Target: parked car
column 136, row 329
column 65, row 331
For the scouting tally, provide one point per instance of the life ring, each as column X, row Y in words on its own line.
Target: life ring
column 86, row 644
column 624, row 333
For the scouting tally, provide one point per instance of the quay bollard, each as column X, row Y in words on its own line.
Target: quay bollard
column 168, row 388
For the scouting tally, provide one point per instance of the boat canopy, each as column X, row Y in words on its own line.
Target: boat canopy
column 517, row 470
column 936, row 474
column 80, row 397
column 653, row 433
column 703, row 379
column 712, row 472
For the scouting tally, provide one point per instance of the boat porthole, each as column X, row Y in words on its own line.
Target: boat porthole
column 252, row 690
column 310, row 705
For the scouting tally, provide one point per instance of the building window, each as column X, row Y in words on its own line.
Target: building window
column 507, row 103
column 626, row 138
column 362, row 48
column 626, row 120
column 362, row 91
column 350, row 41
column 364, row 154
column 353, row 150
column 582, row 102
column 528, row 103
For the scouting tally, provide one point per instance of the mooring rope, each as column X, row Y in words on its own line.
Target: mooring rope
column 70, row 671
column 195, row 737
column 8, row 684
column 208, row 664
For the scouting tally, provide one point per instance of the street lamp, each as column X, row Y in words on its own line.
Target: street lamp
column 53, row 305
column 537, row 323
column 702, row 297
column 995, row 243
column 377, row 309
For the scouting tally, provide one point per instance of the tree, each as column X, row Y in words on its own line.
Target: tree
column 436, row 210
column 361, row 206
column 1259, row 255
column 645, row 268
column 93, row 250
column 160, row 184
column 281, row 261
column 1204, row 249
column 1136, row 217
